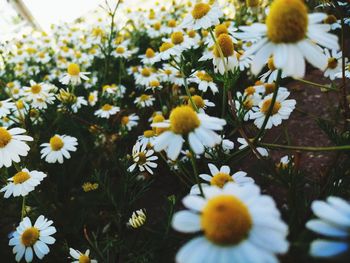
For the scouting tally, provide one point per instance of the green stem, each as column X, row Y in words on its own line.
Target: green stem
column 305, row 148
column 315, row 84
column 23, row 208
column 193, row 161
column 272, row 105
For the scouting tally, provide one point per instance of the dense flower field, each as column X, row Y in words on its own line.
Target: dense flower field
column 164, row 134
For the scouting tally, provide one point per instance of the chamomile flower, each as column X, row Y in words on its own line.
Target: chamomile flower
column 121, row 51
column 147, row 138
column 290, row 35
column 78, row 103
column 200, row 103
column 58, row 148
column 149, row 58
column 22, row 183
column 143, row 158
column 37, row 91
column 197, row 128
column 73, row 75
column 166, row 51
column 6, row 106
column 333, row 222
column 81, row 257
column 234, row 225
column 220, row 177
column 228, row 61
column 202, row 16
column 12, row 145
column 270, row 76
column 245, row 104
column 281, row 110
column 144, row 101
column 130, row 121
column 334, row 64
column 93, row 98
column 29, row 240
column 145, row 76
column 204, row 81
column 347, row 72
column 137, row 219
column 106, row 111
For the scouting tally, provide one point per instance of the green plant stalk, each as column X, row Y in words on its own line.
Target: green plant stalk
column 305, row 148
column 269, row 112
column 193, row 161
column 23, row 212
column 315, row 84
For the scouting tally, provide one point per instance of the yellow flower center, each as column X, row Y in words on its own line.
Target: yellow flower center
column 148, row 133
column 91, row 98
column 154, row 83
column 73, row 69
column 107, row 107
column 56, row 143
column 177, row 38
column 150, row 53
column 330, row 19
column 120, row 50
column 226, row 220
column 220, row 29
column 157, row 26
column 332, row 63
column 270, row 64
column 220, row 179
column 204, row 76
column 20, row 177
column 144, row 97
column 142, row 158
column 183, row 120
column 146, row 72
column 269, row 88
column 225, row 43
column 250, row 90
column 266, row 105
column 172, row 23
column 5, row 137
column 191, row 33
column 248, row 103
column 198, row 101
column 200, row 10
column 84, row 259
column 19, row 104
column 287, row 21
column 125, row 120
column 165, row 46
column 30, row 236
column 35, row 89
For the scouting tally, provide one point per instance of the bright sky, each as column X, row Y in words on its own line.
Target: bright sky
column 48, row 12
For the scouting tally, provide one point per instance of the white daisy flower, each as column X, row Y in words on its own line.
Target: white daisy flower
column 121, row 51
column 271, row 75
column 244, row 144
column 220, row 177
column 73, row 75
column 6, row 106
column 79, row 102
column 281, row 110
column 229, row 61
column 147, row 138
column 290, row 35
column 245, row 104
column 238, row 223
column 347, row 72
column 81, row 257
column 149, row 58
column 130, row 121
column 334, row 222
column 144, row 101
column 28, row 240
column 93, row 98
column 37, row 91
column 106, row 111
column 200, row 103
column 227, row 145
column 143, row 158
column 145, row 76
column 334, row 63
column 22, row 183
column 202, row 16
column 198, row 128
column 58, row 148
column 166, row 51
column 12, row 145
column 204, row 81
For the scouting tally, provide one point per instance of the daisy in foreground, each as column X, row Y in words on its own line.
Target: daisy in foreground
column 81, row 257
column 143, row 158
column 198, row 128
column 58, row 147
column 220, row 177
column 22, row 183
column 281, row 110
column 290, row 35
column 73, row 75
column 202, row 16
column 333, row 222
column 12, row 145
column 27, row 238
column 239, row 224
